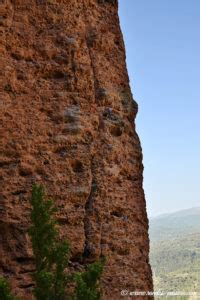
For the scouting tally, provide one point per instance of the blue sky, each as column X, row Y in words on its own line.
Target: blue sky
column 162, row 39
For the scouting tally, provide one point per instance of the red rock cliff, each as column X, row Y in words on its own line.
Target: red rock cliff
column 68, row 122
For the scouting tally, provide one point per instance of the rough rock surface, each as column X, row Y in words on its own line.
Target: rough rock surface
column 68, row 122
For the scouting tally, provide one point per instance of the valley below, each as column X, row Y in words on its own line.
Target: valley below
column 175, row 254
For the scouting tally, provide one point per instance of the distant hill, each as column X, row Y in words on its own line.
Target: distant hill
column 175, row 251
column 175, row 224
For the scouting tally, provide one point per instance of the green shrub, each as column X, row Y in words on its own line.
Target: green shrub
column 52, row 256
column 87, row 283
column 5, row 290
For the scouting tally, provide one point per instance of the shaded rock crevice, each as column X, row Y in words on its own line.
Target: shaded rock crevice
column 90, row 37
column 88, row 248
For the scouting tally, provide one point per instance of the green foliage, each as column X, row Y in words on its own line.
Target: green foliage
column 87, row 283
column 51, row 254
column 175, row 251
column 176, row 264
column 5, row 290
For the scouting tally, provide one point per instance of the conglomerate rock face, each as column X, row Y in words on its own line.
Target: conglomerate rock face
column 68, row 122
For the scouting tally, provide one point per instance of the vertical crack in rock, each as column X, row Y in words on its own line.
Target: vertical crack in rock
column 88, row 28
column 95, row 80
column 91, row 212
column 88, row 249
column 73, row 66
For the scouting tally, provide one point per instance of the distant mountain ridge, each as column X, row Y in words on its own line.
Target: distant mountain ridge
column 175, row 224
column 184, row 212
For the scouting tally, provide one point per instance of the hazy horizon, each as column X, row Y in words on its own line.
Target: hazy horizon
column 175, row 212
column 162, row 46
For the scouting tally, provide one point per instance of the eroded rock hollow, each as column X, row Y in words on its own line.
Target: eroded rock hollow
column 68, row 122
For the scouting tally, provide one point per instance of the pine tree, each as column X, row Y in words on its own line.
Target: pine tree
column 51, row 255
column 51, row 258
